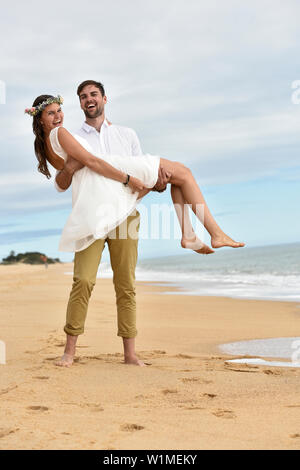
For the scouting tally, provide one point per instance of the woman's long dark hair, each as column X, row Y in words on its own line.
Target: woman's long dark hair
column 39, row 142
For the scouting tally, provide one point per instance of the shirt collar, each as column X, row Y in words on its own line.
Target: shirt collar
column 87, row 128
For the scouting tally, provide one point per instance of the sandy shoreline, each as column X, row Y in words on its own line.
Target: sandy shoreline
column 189, row 398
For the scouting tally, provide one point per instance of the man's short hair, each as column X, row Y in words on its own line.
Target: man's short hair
column 91, row 82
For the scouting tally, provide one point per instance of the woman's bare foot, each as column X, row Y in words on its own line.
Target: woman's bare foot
column 134, row 361
column 196, row 245
column 65, row 361
column 224, row 240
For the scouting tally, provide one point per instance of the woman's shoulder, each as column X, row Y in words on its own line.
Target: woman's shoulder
column 54, row 134
column 58, row 133
column 59, row 130
column 55, row 144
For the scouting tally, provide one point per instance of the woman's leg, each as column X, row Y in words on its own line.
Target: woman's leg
column 182, row 177
column 189, row 238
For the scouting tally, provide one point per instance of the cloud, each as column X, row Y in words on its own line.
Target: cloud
column 27, row 192
column 24, row 236
column 206, row 83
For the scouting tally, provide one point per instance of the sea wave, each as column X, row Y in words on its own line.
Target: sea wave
column 239, row 285
column 270, row 273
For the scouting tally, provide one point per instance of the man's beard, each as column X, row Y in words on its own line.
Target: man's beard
column 95, row 113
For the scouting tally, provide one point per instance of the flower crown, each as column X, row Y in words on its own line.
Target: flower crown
column 36, row 109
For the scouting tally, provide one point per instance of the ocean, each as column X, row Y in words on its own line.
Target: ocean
column 268, row 272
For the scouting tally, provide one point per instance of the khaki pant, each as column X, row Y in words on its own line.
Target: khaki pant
column 123, row 257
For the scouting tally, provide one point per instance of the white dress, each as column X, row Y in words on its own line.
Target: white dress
column 100, row 204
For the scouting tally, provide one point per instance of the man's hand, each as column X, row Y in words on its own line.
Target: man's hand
column 162, row 180
column 135, row 184
column 64, row 177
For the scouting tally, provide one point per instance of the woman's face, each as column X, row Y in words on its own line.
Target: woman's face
column 52, row 116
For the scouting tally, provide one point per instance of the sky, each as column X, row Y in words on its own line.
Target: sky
column 209, row 84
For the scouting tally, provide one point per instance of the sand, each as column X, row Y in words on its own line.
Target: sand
column 188, row 398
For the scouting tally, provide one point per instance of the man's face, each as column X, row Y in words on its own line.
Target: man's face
column 92, row 102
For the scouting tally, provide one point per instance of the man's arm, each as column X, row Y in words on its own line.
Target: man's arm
column 136, row 149
column 163, row 176
column 63, row 179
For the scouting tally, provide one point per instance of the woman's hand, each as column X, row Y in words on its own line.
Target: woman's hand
column 135, row 184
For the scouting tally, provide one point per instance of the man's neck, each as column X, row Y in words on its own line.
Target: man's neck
column 96, row 122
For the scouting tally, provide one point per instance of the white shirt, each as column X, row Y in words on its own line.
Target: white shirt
column 111, row 140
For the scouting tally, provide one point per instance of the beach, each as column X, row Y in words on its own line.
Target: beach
column 188, row 398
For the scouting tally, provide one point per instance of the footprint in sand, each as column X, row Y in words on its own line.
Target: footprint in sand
column 37, row 408
column 194, row 408
column 242, row 370
column 190, row 379
column 169, row 390
column 8, row 389
column 195, row 379
column 6, row 431
column 209, row 395
column 154, row 353
column 131, row 427
column 95, row 407
column 41, row 377
column 143, row 396
column 34, row 368
column 272, row 372
column 184, row 356
column 228, row 414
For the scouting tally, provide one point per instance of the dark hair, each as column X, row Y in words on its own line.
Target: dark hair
column 91, row 82
column 39, row 142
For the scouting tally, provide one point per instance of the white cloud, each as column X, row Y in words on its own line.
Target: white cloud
column 205, row 82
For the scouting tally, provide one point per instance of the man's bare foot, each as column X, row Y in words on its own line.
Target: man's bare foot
column 65, row 361
column 134, row 361
column 225, row 240
column 196, row 245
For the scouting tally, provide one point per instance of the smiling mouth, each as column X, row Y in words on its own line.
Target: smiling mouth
column 91, row 106
column 57, row 122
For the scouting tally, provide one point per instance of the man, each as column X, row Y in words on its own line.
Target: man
column 104, row 139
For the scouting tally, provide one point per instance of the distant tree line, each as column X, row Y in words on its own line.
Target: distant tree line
column 33, row 257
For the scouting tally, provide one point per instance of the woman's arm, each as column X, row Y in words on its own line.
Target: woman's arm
column 78, row 152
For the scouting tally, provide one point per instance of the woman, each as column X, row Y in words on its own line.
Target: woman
column 104, row 203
